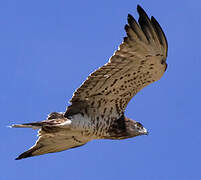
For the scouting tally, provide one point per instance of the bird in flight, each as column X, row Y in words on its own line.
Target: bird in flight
column 98, row 105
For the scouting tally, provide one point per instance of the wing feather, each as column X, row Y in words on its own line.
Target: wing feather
column 51, row 141
column 139, row 61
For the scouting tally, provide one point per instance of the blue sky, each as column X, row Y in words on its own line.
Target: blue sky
column 48, row 48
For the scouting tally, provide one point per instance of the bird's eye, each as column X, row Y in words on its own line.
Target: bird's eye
column 140, row 125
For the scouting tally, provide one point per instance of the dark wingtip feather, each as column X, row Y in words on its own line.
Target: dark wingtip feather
column 130, row 20
column 29, row 153
column 24, row 155
column 138, row 6
column 126, row 27
column 145, row 24
column 160, row 33
column 18, row 158
column 130, row 17
column 143, row 18
column 141, row 11
column 155, row 22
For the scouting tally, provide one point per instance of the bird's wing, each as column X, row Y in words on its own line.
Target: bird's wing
column 139, row 61
column 50, row 141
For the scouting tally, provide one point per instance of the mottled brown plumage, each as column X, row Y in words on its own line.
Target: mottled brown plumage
column 98, row 105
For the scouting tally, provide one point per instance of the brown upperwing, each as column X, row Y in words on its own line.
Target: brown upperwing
column 139, row 61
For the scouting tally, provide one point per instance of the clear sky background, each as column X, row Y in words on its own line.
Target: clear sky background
column 47, row 50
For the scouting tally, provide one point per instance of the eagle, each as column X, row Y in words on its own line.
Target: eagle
column 96, row 110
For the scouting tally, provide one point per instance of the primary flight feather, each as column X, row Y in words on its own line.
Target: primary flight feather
column 98, row 105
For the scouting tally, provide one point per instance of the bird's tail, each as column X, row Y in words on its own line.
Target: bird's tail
column 46, row 123
column 54, row 119
column 34, row 125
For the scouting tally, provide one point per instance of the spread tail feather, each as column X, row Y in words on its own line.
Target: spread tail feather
column 34, row 125
column 49, row 122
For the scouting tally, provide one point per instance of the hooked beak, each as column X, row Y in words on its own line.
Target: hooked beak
column 145, row 132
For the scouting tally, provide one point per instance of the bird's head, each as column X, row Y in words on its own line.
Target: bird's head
column 135, row 128
column 124, row 128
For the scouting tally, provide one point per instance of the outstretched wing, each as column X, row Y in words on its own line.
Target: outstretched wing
column 50, row 142
column 139, row 61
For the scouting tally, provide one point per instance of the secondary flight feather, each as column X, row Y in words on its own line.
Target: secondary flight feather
column 98, row 105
